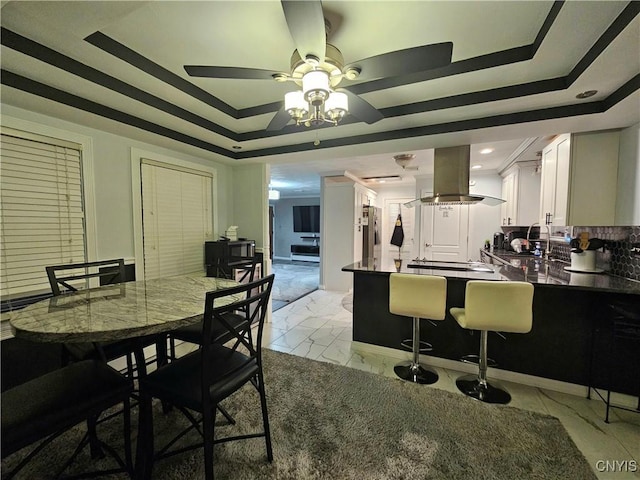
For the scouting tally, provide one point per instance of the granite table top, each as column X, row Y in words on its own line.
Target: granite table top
column 536, row 271
column 119, row 311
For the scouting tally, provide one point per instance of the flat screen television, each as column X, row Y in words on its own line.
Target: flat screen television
column 306, row 218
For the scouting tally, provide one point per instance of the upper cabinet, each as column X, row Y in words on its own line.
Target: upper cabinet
column 521, row 192
column 579, row 178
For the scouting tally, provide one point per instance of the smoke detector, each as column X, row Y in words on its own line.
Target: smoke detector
column 404, row 159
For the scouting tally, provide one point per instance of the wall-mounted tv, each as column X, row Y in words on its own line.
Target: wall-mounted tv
column 306, row 218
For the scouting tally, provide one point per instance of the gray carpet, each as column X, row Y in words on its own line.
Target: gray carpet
column 334, row 422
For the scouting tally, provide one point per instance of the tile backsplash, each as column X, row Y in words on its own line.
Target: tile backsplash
column 618, row 257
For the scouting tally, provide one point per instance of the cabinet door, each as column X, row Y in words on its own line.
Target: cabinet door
column 548, row 183
column 563, row 163
column 509, row 207
column 527, row 194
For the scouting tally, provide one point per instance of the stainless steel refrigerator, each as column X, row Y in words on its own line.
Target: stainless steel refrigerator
column 371, row 229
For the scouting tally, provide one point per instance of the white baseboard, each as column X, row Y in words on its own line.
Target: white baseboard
column 620, row 399
column 305, row 258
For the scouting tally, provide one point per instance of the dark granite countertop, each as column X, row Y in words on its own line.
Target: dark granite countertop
column 519, row 268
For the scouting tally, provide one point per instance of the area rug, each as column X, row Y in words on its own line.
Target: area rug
column 293, row 281
column 334, row 422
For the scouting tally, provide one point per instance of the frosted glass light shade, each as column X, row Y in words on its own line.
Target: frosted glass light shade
column 294, row 101
column 315, row 86
column 338, row 102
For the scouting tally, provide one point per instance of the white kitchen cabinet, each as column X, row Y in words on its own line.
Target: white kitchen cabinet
column 579, row 179
column 521, row 192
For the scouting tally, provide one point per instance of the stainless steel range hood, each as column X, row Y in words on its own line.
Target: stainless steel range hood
column 451, row 180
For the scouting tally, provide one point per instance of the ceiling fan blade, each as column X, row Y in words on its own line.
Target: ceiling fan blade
column 306, row 25
column 230, row 72
column 404, row 62
column 360, row 108
column 279, row 121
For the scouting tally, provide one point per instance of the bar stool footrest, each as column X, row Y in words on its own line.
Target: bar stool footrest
column 424, row 346
column 475, row 359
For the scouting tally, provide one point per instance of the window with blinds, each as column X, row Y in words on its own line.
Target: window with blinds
column 176, row 218
column 42, row 214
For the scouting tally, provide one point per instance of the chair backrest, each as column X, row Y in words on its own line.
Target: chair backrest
column 499, row 306
column 74, row 277
column 252, row 301
column 248, row 270
column 421, row 296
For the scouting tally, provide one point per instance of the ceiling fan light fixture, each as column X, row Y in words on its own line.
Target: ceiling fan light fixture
column 315, row 87
column 404, row 159
column 295, row 104
column 336, row 106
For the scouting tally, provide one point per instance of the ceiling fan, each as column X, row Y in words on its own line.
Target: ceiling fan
column 319, row 67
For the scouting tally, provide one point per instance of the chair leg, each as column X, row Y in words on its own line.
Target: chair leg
column 226, row 414
column 94, row 443
column 413, row 371
column 265, row 415
column 208, row 423
column 127, row 436
column 477, row 386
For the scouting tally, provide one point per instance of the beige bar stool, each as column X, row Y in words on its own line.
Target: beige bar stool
column 417, row 296
column 498, row 307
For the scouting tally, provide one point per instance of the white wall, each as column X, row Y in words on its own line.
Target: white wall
column 628, row 200
column 112, row 182
column 484, row 220
column 251, row 204
column 337, row 235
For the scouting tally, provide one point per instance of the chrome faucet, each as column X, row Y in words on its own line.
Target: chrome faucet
column 547, row 250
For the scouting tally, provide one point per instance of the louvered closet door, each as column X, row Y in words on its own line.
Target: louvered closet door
column 42, row 214
column 176, row 218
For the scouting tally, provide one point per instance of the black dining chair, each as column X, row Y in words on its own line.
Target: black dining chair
column 199, row 381
column 74, row 277
column 43, row 408
column 193, row 333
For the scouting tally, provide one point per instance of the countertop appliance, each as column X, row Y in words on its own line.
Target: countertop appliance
column 498, row 240
column 510, row 237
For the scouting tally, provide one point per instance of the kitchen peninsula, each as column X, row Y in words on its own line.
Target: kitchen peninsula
column 568, row 309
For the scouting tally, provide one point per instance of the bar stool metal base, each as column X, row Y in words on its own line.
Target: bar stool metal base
column 471, row 386
column 416, row 373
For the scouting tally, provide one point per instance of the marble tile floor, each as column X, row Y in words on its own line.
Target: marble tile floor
column 318, row 326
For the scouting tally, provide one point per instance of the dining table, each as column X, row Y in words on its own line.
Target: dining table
column 129, row 310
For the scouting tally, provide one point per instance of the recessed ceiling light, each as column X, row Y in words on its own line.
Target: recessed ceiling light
column 383, row 178
column 586, row 94
column 484, row 151
column 476, row 167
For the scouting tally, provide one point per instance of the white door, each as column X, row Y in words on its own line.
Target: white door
column 393, row 206
column 445, row 230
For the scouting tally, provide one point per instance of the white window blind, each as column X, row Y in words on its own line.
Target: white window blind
column 176, row 218
column 42, row 214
